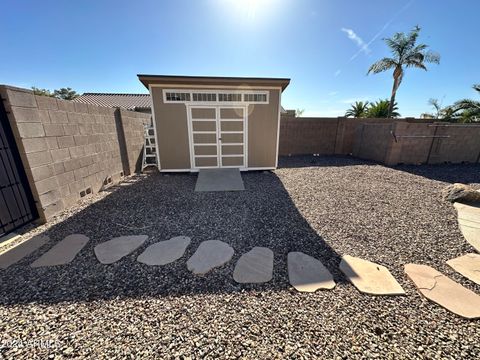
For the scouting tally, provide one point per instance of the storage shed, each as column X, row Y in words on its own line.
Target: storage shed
column 210, row 122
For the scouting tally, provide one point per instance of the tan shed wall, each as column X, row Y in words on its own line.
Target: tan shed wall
column 262, row 132
column 172, row 130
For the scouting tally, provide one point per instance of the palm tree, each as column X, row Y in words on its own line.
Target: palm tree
column 357, row 110
column 381, row 109
column 446, row 113
column 406, row 53
column 468, row 110
column 437, row 106
column 299, row 112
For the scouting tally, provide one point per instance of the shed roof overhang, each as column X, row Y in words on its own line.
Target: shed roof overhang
column 212, row 81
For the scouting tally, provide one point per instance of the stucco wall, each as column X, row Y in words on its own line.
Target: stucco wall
column 71, row 149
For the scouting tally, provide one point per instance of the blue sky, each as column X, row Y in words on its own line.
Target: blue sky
column 324, row 46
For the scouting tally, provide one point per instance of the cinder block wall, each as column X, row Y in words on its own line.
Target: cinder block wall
column 134, row 137
column 405, row 142
column 70, row 150
column 373, row 141
column 418, row 141
column 299, row 136
column 324, row 136
column 455, row 143
column 411, row 143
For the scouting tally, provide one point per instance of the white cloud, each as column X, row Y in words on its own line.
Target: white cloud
column 333, row 93
column 357, row 40
column 338, row 72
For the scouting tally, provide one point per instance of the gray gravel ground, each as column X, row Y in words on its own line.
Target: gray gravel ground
column 324, row 207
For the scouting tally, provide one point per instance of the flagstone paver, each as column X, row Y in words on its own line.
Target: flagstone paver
column 469, row 223
column 63, row 252
column 210, row 254
column 307, row 274
column 165, row 252
column 18, row 252
column 113, row 250
column 255, row 266
column 442, row 290
column 468, row 265
column 369, row 277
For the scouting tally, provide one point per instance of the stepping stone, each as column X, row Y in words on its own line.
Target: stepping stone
column 255, row 266
column 467, row 265
column 445, row 292
column 23, row 249
column 307, row 274
column 63, row 252
column 165, row 252
column 370, row 278
column 113, row 250
column 210, row 254
column 469, row 223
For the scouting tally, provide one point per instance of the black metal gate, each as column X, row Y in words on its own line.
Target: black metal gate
column 17, row 206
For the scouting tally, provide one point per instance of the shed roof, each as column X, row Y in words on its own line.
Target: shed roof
column 147, row 79
column 124, row 101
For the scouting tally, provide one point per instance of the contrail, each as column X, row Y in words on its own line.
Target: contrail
column 385, row 26
column 376, row 36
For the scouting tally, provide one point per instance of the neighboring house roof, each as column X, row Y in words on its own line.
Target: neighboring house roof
column 124, row 101
column 147, row 79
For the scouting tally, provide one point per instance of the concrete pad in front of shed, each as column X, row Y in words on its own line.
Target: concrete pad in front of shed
column 370, row 278
column 255, row 266
column 165, row 252
column 467, row 265
column 210, row 254
column 469, row 223
column 307, row 274
column 23, row 249
column 113, row 250
column 219, row 180
column 445, row 292
column 63, row 252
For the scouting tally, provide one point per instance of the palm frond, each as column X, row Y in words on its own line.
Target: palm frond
column 467, row 104
column 432, row 57
column 379, row 109
column 382, row 65
column 357, row 110
column 416, row 64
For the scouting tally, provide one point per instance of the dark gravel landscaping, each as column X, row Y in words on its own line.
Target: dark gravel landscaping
column 324, row 207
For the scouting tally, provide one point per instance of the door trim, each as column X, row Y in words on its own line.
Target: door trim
column 218, row 120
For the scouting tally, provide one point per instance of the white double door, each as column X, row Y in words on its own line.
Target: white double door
column 217, row 136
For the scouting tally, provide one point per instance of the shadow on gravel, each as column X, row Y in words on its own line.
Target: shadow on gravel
column 163, row 206
column 450, row 173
